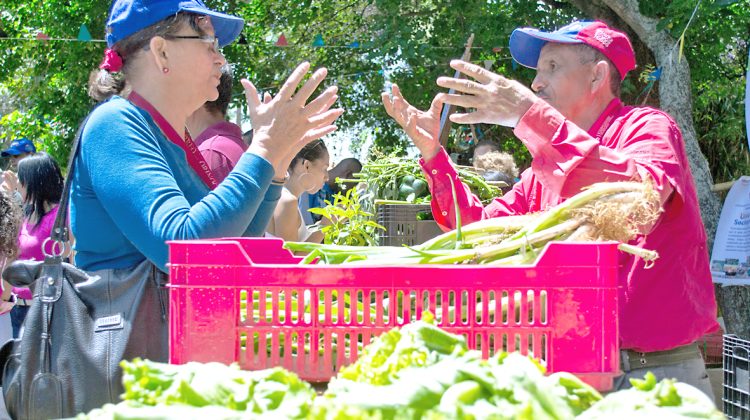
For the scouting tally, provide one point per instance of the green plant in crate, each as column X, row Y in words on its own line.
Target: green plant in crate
column 349, row 223
column 392, row 178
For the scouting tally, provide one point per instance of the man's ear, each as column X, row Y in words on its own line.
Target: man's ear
column 158, row 50
column 600, row 75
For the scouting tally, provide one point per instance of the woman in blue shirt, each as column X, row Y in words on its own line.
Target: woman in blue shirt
column 139, row 180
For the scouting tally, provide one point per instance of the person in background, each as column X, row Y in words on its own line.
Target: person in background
column 495, row 165
column 308, row 172
column 485, row 146
column 219, row 141
column 10, row 221
column 579, row 133
column 345, row 169
column 18, row 149
column 139, row 180
column 41, row 184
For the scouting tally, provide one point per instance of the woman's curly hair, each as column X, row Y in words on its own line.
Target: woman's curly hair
column 10, row 222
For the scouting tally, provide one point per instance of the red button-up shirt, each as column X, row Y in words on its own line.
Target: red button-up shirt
column 668, row 305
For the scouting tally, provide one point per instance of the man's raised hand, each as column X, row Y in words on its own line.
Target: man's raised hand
column 422, row 127
column 493, row 98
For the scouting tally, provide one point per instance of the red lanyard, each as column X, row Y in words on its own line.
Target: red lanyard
column 194, row 157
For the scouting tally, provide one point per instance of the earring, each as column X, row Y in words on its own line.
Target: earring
column 300, row 180
column 165, row 70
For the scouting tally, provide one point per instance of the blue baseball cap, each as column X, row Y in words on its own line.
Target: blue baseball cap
column 527, row 43
column 18, row 147
column 127, row 17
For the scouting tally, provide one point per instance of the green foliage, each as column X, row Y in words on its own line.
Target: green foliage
column 404, row 42
column 47, row 80
column 718, row 55
column 716, row 47
column 15, row 125
column 721, row 128
column 349, row 224
column 409, row 43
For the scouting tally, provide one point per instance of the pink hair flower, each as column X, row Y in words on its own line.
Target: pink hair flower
column 112, row 61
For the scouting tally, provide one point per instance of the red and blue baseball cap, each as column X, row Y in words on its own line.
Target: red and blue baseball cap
column 527, row 43
column 18, row 147
column 127, row 17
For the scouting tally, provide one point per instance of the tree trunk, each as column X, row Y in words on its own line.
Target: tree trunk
column 674, row 91
column 734, row 302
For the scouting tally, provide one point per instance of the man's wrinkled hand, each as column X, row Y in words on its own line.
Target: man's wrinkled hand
column 493, row 98
column 422, row 127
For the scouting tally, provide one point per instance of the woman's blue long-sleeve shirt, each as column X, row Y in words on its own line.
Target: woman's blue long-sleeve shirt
column 133, row 190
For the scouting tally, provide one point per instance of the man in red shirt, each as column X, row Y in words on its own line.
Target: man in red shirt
column 578, row 133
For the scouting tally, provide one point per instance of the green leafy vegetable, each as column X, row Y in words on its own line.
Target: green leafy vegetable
column 649, row 399
column 273, row 391
column 415, row 372
column 421, row 371
column 349, row 223
column 397, row 178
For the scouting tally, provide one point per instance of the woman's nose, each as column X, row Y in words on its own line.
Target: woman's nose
column 221, row 60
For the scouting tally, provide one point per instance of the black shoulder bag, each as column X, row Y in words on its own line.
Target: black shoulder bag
column 79, row 327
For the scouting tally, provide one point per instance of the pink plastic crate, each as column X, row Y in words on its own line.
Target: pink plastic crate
column 563, row 310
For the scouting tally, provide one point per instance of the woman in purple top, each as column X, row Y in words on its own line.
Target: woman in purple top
column 219, row 141
column 40, row 185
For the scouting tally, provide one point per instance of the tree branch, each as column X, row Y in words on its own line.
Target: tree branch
column 331, row 18
column 556, row 4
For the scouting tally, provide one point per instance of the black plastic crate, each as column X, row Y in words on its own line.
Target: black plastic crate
column 736, row 396
column 402, row 226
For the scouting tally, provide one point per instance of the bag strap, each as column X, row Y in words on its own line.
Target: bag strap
column 60, row 234
column 52, row 284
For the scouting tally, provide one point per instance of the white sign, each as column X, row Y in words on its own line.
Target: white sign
column 730, row 258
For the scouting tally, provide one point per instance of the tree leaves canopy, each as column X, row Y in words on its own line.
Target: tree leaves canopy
column 405, row 42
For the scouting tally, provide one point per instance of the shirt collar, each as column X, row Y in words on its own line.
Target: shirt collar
column 605, row 119
column 224, row 128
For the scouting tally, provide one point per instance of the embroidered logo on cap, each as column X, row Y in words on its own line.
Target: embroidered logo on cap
column 603, row 37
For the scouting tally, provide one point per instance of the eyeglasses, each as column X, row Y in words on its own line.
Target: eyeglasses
column 214, row 41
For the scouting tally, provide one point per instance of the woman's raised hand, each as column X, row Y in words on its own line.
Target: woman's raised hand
column 285, row 123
